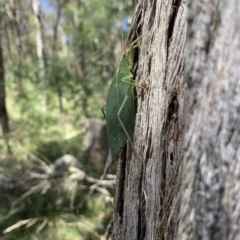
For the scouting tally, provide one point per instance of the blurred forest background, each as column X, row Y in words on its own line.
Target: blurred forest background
column 58, row 58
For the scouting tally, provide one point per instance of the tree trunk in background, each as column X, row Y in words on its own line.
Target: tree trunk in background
column 3, row 109
column 210, row 206
column 55, row 52
column 39, row 40
column 183, row 180
column 16, row 9
column 39, row 45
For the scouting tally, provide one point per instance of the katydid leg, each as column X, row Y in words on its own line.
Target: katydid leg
column 131, row 82
column 104, row 112
column 119, row 119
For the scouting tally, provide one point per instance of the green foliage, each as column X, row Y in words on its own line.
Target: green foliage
column 89, row 222
column 51, row 150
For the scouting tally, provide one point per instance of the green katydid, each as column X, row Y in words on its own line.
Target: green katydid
column 120, row 107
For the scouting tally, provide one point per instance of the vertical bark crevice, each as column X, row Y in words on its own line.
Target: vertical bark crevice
column 176, row 4
column 141, row 211
column 120, row 201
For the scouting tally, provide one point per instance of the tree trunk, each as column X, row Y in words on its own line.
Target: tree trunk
column 3, row 110
column 182, row 182
column 18, row 38
column 36, row 5
column 211, row 184
column 39, row 38
column 55, row 52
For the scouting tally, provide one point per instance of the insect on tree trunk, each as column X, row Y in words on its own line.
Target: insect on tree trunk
column 183, row 180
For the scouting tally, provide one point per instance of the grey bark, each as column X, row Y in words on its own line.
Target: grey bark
column 210, row 207
column 36, row 5
column 145, row 185
column 39, row 35
column 183, row 180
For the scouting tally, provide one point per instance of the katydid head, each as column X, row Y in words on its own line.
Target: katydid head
column 130, row 50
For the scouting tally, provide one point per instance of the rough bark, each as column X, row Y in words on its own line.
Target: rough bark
column 183, row 180
column 211, row 186
column 146, row 181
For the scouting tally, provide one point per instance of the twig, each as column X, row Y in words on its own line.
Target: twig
column 41, row 227
column 32, row 190
column 35, row 158
column 100, row 182
column 21, row 223
column 12, row 213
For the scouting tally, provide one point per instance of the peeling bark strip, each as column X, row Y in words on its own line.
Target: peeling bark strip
column 147, row 185
column 210, row 200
